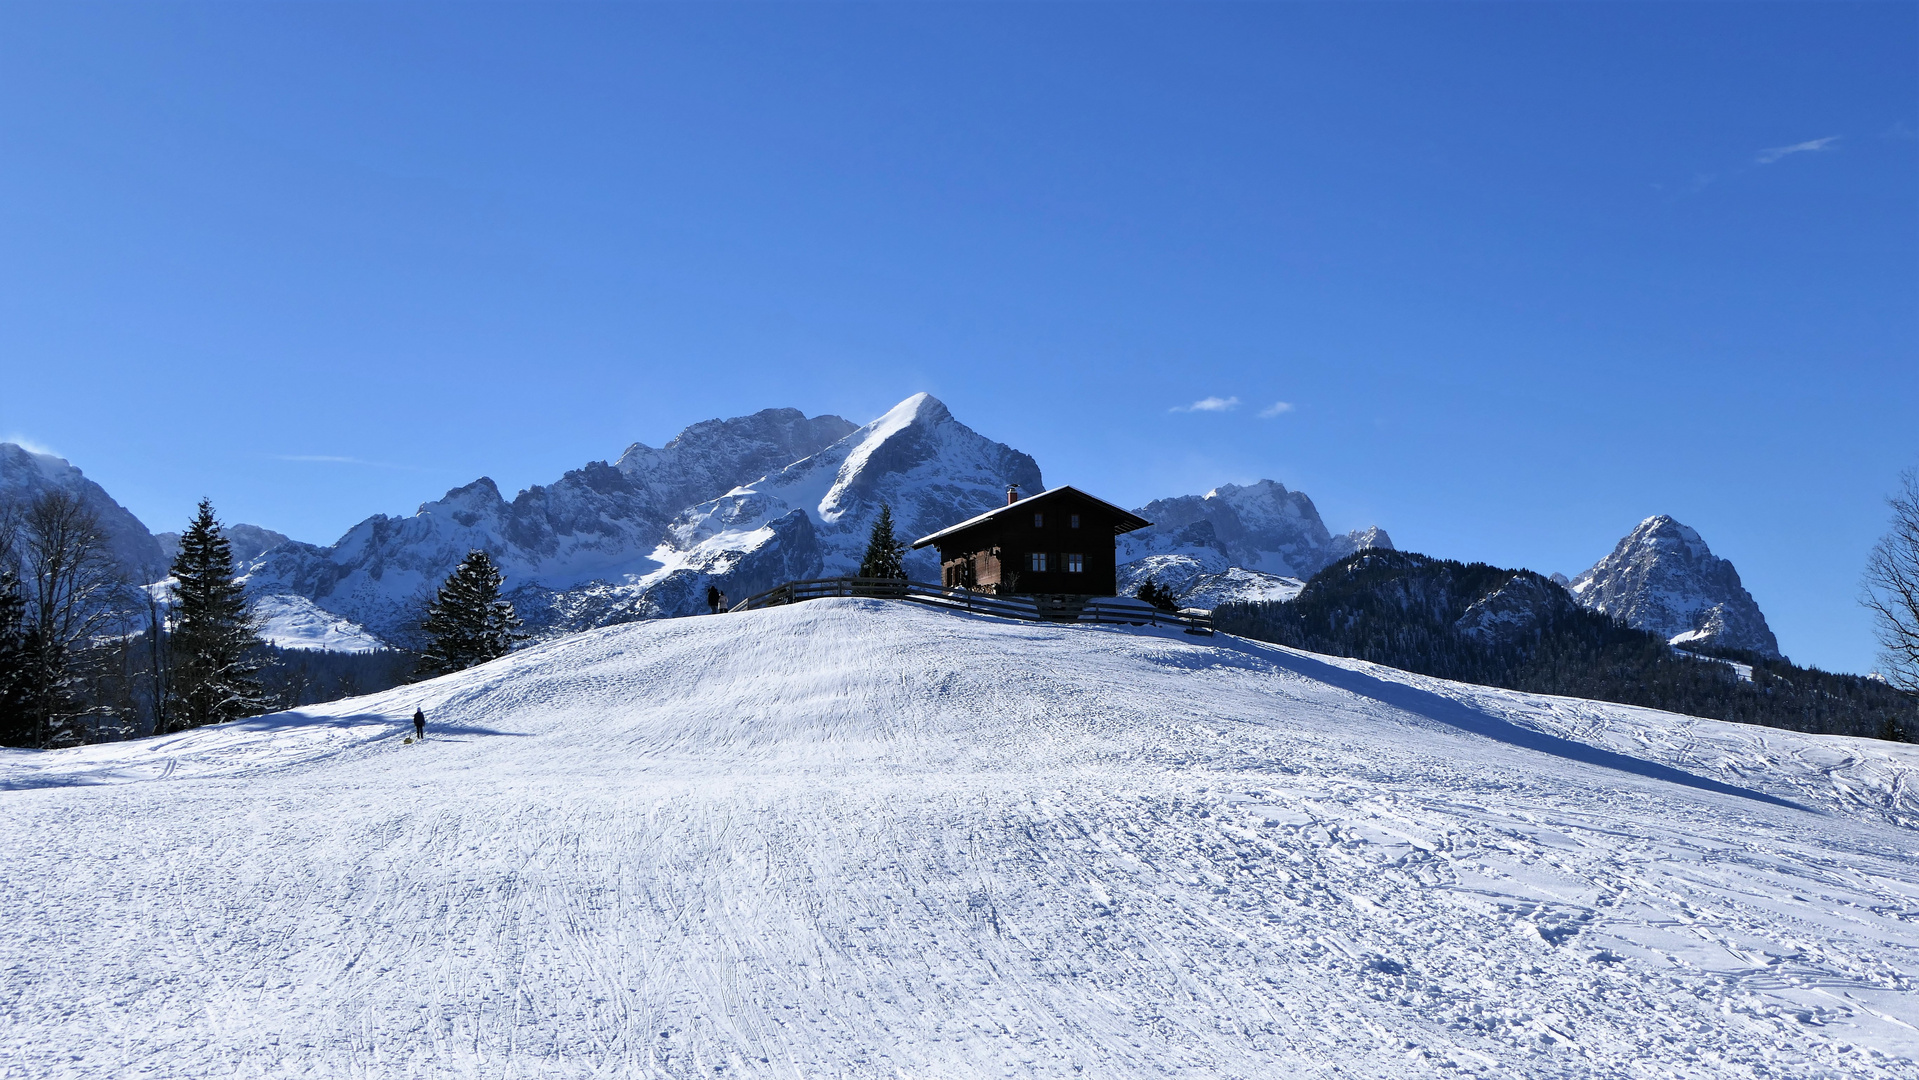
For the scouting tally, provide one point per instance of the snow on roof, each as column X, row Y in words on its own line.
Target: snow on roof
column 1128, row 521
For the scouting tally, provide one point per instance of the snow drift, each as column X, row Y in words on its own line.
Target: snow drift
column 857, row 838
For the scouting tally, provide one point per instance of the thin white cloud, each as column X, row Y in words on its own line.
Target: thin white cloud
column 1277, row 408
column 1209, row 404
column 31, row 445
column 1810, row 146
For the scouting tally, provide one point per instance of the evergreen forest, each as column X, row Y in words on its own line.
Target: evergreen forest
column 1516, row 629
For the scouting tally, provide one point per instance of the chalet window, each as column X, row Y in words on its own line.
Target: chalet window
column 1036, row 562
column 1075, row 523
column 1075, row 564
column 1039, row 521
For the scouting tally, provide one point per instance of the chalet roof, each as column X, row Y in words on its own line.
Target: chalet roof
column 1125, row 521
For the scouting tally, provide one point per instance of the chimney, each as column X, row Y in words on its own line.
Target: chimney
column 1012, row 494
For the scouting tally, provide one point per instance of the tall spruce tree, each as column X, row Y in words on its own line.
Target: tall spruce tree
column 215, row 645
column 17, row 727
column 885, row 554
column 469, row 621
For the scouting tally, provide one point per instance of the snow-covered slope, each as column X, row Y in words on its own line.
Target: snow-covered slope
column 1662, row 578
column 558, row 544
column 25, row 476
column 860, row 839
column 294, row 622
column 1196, row 587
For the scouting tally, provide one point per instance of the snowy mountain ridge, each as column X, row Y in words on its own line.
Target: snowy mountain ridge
column 742, row 505
column 561, row 545
column 1662, row 578
column 25, row 475
column 247, row 542
column 1257, row 542
column 930, row 468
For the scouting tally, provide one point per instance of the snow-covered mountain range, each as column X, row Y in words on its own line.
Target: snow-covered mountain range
column 587, row 549
column 746, row 503
column 1663, row 579
column 769, row 498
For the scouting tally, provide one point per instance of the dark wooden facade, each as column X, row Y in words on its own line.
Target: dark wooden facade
column 1060, row 542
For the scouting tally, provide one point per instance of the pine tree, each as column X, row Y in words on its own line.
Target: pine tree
column 469, row 622
column 17, row 725
column 1161, row 598
column 885, row 555
column 215, row 645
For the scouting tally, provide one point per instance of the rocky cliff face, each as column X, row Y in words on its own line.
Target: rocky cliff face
column 1271, row 539
column 248, row 543
column 812, row 518
column 1261, row 527
column 715, row 456
column 25, row 476
column 599, row 525
column 1663, row 579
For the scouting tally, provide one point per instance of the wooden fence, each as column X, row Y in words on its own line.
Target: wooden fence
column 1027, row 608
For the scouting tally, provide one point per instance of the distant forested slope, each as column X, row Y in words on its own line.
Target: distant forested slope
column 1516, row 629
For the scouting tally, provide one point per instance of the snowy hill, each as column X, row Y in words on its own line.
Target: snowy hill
column 855, row 838
column 1662, row 578
column 26, row 475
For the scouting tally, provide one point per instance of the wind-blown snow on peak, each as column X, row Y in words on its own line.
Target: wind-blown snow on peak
column 25, row 475
column 1662, row 578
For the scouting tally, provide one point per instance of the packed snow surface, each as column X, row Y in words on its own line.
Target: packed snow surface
column 859, row 838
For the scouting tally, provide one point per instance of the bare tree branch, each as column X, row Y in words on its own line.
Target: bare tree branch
column 71, row 578
column 1892, row 588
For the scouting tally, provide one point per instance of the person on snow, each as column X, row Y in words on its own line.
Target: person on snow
column 713, row 598
column 419, row 724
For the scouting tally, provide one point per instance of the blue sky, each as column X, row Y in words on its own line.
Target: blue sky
column 1523, row 274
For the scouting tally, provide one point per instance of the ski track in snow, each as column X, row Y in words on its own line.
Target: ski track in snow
column 855, row 838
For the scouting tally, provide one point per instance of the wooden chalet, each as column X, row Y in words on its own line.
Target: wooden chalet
column 1060, row 542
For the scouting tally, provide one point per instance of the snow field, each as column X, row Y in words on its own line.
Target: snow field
column 858, row 838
